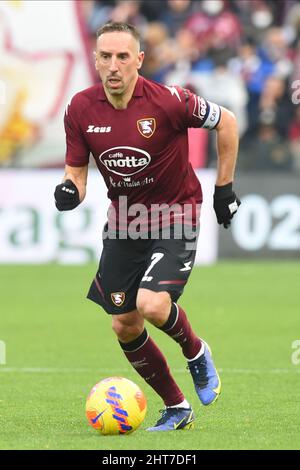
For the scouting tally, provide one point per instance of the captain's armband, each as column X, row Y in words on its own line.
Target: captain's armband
column 213, row 117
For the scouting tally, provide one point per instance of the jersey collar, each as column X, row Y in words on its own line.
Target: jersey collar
column 137, row 92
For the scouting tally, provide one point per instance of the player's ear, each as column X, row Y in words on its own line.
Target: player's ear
column 140, row 59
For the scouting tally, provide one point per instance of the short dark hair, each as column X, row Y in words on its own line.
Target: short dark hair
column 112, row 27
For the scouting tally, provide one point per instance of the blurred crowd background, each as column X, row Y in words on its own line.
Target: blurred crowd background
column 242, row 54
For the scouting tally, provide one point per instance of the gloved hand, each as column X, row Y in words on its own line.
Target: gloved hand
column 66, row 196
column 226, row 204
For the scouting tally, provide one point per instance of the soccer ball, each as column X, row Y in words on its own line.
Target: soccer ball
column 116, row 406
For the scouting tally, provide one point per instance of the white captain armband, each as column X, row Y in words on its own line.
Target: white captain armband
column 213, row 116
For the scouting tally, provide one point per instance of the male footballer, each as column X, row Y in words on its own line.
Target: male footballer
column 137, row 132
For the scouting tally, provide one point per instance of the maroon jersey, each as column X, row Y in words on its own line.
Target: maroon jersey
column 141, row 151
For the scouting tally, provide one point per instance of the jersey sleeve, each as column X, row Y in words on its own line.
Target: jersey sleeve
column 193, row 110
column 77, row 151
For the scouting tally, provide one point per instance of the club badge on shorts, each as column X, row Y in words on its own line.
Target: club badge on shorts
column 146, row 127
column 118, row 298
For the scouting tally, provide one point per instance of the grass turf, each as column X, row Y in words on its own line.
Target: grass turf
column 59, row 345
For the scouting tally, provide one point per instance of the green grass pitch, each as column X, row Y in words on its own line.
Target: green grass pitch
column 58, row 345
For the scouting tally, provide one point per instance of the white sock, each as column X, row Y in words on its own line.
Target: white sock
column 183, row 404
column 199, row 353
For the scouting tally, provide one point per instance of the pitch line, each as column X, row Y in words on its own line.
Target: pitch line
column 110, row 372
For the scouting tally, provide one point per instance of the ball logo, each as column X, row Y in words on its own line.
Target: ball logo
column 125, row 161
column 114, row 399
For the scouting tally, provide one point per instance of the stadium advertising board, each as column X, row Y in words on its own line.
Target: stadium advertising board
column 267, row 224
column 33, row 231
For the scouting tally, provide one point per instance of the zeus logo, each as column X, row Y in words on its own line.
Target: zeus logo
column 187, row 266
column 173, row 91
column 98, row 130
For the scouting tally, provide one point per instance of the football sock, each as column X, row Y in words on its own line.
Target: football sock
column 184, row 404
column 199, row 353
column 149, row 362
column 179, row 328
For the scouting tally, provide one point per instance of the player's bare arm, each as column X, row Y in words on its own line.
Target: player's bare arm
column 227, row 147
column 71, row 192
column 226, row 202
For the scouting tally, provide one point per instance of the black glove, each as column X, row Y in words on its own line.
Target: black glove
column 226, row 204
column 66, row 196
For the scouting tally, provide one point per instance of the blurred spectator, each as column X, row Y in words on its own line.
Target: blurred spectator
column 267, row 151
column 296, row 62
column 294, row 138
column 256, row 16
column 176, row 13
column 255, row 65
column 215, row 27
column 115, row 10
column 275, row 106
column 292, row 21
column 98, row 13
column 275, row 50
column 152, row 9
column 219, row 85
column 128, row 11
column 254, row 72
column 160, row 52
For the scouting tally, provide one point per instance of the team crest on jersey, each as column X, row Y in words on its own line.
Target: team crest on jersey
column 118, row 298
column 146, row 127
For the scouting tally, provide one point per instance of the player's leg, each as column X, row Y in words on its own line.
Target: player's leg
column 170, row 267
column 178, row 413
column 144, row 355
column 176, row 325
column 158, row 309
column 158, row 292
column 115, row 289
column 147, row 359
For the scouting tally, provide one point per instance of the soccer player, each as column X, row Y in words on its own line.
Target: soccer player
column 137, row 132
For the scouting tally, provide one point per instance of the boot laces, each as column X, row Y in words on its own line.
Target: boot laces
column 199, row 371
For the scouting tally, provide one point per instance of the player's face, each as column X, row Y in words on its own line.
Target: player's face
column 117, row 60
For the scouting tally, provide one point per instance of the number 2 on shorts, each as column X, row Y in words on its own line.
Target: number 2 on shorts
column 155, row 258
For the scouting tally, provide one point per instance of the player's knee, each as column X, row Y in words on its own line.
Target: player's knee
column 126, row 333
column 154, row 306
column 127, row 330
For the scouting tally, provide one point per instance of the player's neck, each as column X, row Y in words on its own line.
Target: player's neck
column 121, row 101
